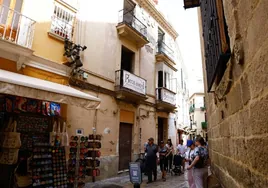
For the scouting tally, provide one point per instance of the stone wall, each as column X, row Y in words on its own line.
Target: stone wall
column 238, row 120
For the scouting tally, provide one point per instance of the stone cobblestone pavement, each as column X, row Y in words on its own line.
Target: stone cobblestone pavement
column 123, row 182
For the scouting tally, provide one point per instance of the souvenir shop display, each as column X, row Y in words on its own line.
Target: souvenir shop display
column 34, row 135
column 83, row 159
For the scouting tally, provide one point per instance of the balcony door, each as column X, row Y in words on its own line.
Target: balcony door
column 161, row 38
column 161, row 35
column 10, row 18
column 125, row 142
column 127, row 59
column 128, row 11
column 9, row 12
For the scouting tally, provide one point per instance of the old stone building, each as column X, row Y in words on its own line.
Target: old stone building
column 235, row 64
column 132, row 63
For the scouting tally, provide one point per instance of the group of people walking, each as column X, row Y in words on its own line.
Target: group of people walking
column 194, row 157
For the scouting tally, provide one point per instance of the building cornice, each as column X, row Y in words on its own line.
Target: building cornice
column 149, row 6
column 203, row 94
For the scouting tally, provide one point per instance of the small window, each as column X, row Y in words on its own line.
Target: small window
column 62, row 21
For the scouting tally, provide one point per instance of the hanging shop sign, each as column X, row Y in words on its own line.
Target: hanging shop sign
column 133, row 82
column 168, row 96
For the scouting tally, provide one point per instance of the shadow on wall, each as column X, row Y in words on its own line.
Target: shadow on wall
column 103, row 49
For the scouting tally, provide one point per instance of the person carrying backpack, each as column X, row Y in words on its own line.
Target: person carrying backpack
column 199, row 163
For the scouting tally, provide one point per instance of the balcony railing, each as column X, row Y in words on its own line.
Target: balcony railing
column 164, row 49
column 166, row 95
column 204, row 125
column 203, row 108
column 192, row 109
column 127, row 17
column 15, row 27
column 129, row 81
column 62, row 22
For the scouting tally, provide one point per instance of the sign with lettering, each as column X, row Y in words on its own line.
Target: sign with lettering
column 135, row 173
column 168, row 96
column 133, row 82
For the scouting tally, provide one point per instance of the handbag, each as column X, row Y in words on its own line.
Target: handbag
column 22, row 180
column 9, row 156
column 11, row 139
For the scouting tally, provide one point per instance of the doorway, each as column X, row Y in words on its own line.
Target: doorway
column 160, row 130
column 125, row 143
column 127, row 59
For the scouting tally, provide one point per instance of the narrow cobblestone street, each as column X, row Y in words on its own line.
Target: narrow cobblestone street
column 123, row 182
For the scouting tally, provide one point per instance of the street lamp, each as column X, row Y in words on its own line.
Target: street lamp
column 72, row 53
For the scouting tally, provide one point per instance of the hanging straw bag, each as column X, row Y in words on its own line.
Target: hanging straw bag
column 11, row 139
column 64, row 136
column 58, row 136
column 9, row 156
column 52, row 135
column 22, row 180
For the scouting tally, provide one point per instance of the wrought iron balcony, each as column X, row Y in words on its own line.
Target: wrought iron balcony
column 16, row 27
column 192, row 109
column 203, row 108
column 128, row 86
column 132, row 28
column 165, row 53
column 166, row 99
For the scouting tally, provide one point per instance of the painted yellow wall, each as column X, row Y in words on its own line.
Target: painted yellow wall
column 126, row 116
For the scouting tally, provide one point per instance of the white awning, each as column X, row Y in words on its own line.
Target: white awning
column 25, row 86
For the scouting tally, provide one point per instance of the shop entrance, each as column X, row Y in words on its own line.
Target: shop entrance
column 125, row 142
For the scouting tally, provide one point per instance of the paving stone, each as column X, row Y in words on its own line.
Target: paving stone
column 123, row 182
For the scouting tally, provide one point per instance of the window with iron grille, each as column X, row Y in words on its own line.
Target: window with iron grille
column 62, row 21
column 216, row 40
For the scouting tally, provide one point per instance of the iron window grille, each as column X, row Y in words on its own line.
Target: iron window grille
column 62, row 21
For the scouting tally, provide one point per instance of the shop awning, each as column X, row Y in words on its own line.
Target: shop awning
column 25, row 86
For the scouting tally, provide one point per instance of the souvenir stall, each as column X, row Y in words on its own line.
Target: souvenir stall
column 33, row 139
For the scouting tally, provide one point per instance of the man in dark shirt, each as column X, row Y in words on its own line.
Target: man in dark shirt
column 151, row 158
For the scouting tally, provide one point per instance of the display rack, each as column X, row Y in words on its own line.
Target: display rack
column 59, row 167
column 94, row 155
column 83, row 159
column 42, row 170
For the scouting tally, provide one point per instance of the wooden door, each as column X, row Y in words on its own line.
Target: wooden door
column 125, row 143
column 160, row 130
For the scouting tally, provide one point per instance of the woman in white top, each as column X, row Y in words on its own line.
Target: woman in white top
column 189, row 158
column 169, row 145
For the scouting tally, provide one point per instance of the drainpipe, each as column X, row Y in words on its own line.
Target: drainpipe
column 95, row 114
